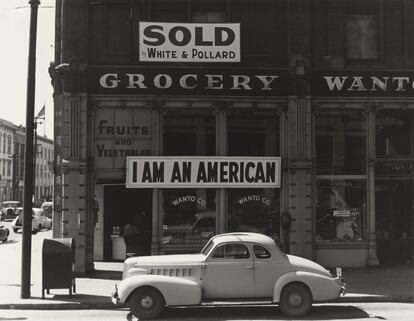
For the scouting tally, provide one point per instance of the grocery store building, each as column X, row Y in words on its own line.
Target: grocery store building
column 292, row 118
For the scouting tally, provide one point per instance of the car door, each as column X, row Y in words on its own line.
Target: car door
column 229, row 272
column 267, row 270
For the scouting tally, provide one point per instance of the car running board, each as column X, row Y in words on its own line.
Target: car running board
column 245, row 302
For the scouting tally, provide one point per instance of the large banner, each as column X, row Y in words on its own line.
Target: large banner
column 203, row 172
column 189, row 42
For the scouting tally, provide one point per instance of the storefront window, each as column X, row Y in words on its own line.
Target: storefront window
column 253, row 133
column 341, row 210
column 394, row 132
column 340, row 144
column 189, row 217
column 189, row 133
column 254, row 210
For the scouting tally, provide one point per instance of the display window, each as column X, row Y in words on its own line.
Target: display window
column 254, row 210
column 394, row 133
column 189, row 133
column 341, row 210
column 253, row 133
column 189, row 216
column 341, row 144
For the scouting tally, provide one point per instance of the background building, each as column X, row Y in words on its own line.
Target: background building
column 12, row 151
column 325, row 85
column 7, row 133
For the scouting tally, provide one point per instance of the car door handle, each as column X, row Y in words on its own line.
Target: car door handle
column 249, row 267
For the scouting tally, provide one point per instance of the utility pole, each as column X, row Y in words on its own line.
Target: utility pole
column 28, row 160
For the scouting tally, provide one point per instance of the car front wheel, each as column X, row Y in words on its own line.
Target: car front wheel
column 146, row 303
column 295, row 300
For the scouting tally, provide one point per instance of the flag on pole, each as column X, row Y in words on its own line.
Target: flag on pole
column 41, row 112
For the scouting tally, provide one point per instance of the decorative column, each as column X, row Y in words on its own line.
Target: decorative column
column 300, row 159
column 372, row 242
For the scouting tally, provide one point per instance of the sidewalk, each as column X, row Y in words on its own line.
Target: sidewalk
column 379, row 284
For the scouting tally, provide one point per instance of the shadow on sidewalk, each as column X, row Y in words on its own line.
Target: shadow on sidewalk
column 319, row 312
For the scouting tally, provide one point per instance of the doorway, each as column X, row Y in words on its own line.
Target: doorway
column 394, row 201
column 121, row 206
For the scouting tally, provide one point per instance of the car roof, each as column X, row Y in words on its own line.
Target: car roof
column 10, row 202
column 244, row 237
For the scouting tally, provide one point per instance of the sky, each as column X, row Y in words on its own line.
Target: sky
column 14, row 50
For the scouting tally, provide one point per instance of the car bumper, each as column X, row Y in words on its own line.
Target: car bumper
column 342, row 285
column 115, row 297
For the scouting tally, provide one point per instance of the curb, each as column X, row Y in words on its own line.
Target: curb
column 105, row 305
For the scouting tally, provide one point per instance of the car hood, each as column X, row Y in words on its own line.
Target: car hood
column 302, row 264
column 168, row 260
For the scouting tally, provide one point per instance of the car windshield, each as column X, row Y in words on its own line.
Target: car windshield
column 206, row 249
column 10, row 204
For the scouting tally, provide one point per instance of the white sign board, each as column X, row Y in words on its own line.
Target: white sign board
column 202, row 172
column 189, row 42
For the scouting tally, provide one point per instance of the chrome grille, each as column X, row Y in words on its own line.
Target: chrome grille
column 172, row 271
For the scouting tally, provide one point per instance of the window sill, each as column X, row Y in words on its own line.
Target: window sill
column 341, row 244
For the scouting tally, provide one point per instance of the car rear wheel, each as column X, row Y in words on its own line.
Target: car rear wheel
column 146, row 303
column 295, row 300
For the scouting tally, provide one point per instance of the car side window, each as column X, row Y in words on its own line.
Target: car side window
column 231, row 251
column 260, row 252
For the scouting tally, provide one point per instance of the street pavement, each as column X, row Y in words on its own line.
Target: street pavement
column 322, row 312
column 379, row 284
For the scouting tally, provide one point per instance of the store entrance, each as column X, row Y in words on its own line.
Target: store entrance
column 127, row 211
column 394, row 202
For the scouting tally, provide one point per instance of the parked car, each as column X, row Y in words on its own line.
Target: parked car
column 39, row 220
column 8, row 210
column 4, row 233
column 201, row 226
column 48, row 208
column 234, row 266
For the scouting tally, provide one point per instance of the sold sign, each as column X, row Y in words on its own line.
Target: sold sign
column 189, row 42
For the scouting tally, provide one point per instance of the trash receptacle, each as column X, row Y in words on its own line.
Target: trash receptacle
column 58, row 265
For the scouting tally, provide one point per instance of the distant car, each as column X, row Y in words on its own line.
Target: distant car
column 48, row 208
column 238, row 267
column 39, row 220
column 202, row 225
column 4, row 233
column 8, row 210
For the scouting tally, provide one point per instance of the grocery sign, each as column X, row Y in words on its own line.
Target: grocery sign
column 202, row 172
column 189, row 42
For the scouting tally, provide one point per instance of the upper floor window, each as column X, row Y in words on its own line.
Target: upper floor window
column 9, row 144
column 208, row 11
column 4, row 143
column 362, row 30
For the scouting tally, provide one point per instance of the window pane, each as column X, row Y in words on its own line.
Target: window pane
column 231, row 251
column 254, row 210
column 341, row 210
column 340, row 144
column 394, row 133
column 189, row 217
column 110, row 33
column 260, row 252
column 189, row 134
column 362, row 36
column 253, row 133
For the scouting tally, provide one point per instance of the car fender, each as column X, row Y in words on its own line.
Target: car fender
column 322, row 287
column 175, row 290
